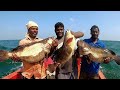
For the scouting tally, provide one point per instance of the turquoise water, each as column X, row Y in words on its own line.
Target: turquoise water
column 111, row 70
column 8, row 66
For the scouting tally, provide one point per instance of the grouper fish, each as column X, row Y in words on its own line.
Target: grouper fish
column 33, row 52
column 96, row 54
column 64, row 53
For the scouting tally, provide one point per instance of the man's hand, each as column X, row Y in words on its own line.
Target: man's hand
column 107, row 60
column 15, row 58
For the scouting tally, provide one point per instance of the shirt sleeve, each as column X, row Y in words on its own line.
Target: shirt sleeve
column 102, row 45
column 23, row 42
column 76, row 43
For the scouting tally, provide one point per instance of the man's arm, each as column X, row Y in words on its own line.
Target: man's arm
column 77, row 34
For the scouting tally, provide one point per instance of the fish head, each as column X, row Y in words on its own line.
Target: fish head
column 53, row 42
column 50, row 42
column 84, row 48
column 51, row 45
column 69, row 39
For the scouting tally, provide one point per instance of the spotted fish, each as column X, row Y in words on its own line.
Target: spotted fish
column 96, row 54
column 33, row 52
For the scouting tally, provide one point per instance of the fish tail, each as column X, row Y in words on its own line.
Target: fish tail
column 117, row 59
column 4, row 55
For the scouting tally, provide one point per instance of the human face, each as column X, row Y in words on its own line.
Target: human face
column 33, row 31
column 59, row 32
column 95, row 33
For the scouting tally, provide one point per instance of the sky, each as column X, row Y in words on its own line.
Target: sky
column 13, row 23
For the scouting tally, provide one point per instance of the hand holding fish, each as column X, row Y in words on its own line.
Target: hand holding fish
column 15, row 58
column 107, row 60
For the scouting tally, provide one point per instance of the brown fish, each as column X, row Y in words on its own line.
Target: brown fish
column 96, row 54
column 33, row 52
column 64, row 53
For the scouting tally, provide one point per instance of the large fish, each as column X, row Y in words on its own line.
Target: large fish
column 96, row 54
column 64, row 53
column 33, row 52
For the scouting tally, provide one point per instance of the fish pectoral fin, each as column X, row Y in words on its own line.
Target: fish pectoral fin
column 91, row 58
column 88, row 58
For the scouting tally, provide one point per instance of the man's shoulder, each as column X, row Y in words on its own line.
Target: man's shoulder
column 39, row 39
column 101, row 42
column 86, row 40
column 23, row 41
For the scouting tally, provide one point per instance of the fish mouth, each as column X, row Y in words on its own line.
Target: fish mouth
column 52, row 42
column 85, row 49
column 69, row 40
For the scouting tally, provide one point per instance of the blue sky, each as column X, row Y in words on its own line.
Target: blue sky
column 12, row 23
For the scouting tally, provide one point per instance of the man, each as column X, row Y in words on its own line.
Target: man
column 66, row 72
column 30, row 37
column 32, row 33
column 89, row 69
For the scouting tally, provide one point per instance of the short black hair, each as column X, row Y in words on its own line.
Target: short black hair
column 59, row 24
column 93, row 27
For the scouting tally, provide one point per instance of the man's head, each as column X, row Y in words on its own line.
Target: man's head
column 32, row 29
column 94, row 31
column 59, row 29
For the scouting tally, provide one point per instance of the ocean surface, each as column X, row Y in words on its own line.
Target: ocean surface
column 110, row 70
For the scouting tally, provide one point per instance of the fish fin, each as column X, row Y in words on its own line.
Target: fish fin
column 117, row 59
column 4, row 55
column 46, row 56
column 88, row 58
column 112, row 52
column 18, row 48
